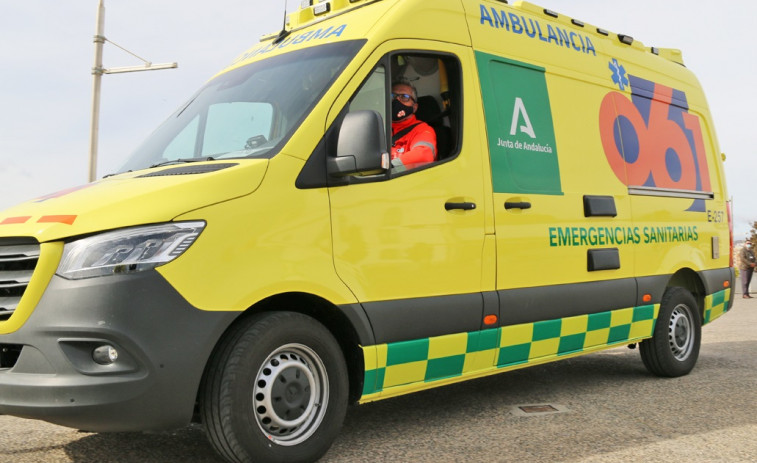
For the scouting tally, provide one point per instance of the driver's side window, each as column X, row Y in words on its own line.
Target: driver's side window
column 418, row 96
column 373, row 93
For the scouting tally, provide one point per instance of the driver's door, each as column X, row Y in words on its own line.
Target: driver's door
column 414, row 249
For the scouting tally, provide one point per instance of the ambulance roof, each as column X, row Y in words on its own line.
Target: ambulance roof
column 313, row 11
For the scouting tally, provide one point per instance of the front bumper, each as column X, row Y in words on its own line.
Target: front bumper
column 163, row 344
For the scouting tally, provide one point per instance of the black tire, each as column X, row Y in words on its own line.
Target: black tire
column 275, row 390
column 673, row 349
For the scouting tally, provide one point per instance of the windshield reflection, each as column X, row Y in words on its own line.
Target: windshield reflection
column 248, row 112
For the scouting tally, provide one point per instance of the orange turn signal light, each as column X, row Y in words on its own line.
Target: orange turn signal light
column 646, row 297
column 490, row 320
column 726, row 284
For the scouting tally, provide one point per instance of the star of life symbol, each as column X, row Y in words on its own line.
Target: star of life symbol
column 618, row 74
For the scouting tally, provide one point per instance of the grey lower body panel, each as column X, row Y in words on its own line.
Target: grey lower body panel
column 410, row 319
column 529, row 305
column 407, row 319
column 163, row 344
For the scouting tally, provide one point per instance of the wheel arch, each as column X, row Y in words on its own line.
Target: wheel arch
column 690, row 280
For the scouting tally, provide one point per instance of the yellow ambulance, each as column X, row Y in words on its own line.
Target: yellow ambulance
column 263, row 259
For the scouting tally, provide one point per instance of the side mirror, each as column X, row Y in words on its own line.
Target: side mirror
column 361, row 147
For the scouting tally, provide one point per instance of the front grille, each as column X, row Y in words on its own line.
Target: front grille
column 18, row 259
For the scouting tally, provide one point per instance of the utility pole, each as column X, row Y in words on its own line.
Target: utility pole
column 97, row 72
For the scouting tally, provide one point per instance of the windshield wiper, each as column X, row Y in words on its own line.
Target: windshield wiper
column 183, row 161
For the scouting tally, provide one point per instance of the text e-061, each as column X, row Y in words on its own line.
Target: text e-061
column 652, row 139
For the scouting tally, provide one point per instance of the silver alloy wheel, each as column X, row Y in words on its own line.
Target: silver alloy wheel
column 680, row 332
column 290, row 394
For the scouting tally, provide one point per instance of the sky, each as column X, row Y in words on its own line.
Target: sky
column 47, row 53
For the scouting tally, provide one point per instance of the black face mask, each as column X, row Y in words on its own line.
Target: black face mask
column 400, row 111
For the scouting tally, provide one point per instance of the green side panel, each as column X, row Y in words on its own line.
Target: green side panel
column 599, row 321
column 406, row 352
column 571, row 343
column 643, row 313
column 519, row 125
column 483, row 340
column 374, row 379
column 445, row 367
column 718, row 298
column 514, row 354
column 618, row 334
column 549, row 329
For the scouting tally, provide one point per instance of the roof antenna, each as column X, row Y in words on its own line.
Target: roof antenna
column 284, row 32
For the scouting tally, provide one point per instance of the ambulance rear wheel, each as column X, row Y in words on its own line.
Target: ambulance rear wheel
column 673, row 349
column 275, row 391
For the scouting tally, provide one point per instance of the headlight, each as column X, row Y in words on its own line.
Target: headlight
column 127, row 251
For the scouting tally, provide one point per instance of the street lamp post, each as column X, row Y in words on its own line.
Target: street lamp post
column 97, row 72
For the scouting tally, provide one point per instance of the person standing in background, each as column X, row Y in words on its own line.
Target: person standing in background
column 748, row 262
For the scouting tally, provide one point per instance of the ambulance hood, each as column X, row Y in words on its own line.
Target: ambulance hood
column 149, row 196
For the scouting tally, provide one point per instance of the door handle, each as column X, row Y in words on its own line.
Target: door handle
column 464, row 206
column 517, row 205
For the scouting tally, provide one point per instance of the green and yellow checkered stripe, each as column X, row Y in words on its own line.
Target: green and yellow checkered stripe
column 716, row 305
column 397, row 368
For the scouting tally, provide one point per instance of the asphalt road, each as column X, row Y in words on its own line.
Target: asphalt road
column 609, row 409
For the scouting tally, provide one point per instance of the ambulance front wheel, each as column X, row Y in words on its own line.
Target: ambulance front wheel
column 275, row 390
column 673, row 349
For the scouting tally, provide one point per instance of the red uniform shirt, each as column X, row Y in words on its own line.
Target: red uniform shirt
column 416, row 147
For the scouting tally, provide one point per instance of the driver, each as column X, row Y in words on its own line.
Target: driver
column 413, row 141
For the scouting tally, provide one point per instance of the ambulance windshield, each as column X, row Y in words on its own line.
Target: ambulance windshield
column 248, row 112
